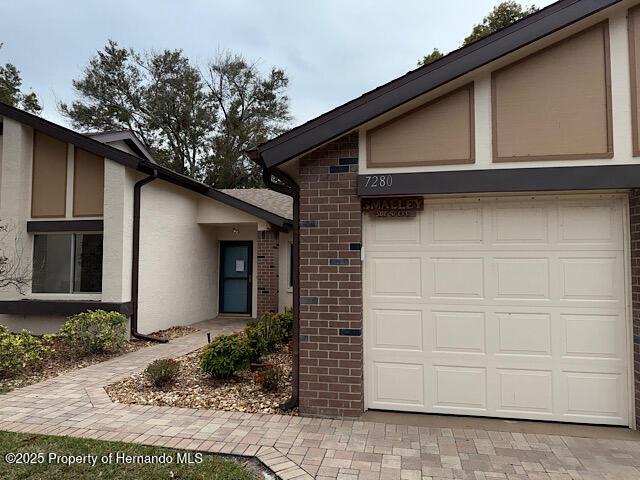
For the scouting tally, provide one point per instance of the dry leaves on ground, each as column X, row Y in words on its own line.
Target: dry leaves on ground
column 62, row 359
column 195, row 389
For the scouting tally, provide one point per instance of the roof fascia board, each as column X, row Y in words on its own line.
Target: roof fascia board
column 128, row 137
column 418, row 82
column 204, row 189
column 131, row 161
column 64, row 134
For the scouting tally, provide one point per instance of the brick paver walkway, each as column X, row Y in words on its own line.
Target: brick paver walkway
column 76, row 405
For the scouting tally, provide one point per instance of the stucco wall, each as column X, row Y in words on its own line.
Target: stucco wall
column 179, row 243
column 14, row 203
column 178, row 260
column 15, row 193
column 15, row 189
column 118, row 231
column 36, row 324
column 620, row 102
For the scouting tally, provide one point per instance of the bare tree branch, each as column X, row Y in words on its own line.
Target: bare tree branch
column 15, row 269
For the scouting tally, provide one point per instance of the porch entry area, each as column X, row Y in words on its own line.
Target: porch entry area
column 236, row 278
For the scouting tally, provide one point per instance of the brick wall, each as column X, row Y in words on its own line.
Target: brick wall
column 267, row 268
column 634, row 220
column 330, row 281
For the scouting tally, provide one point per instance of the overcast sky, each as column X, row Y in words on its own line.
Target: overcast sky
column 332, row 50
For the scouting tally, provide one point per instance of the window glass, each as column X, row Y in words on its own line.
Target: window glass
column 52, row 263
column 88, row 263
column 67, row 263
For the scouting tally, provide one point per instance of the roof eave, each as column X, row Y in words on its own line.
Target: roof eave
column 355, row 113
column 136, row 163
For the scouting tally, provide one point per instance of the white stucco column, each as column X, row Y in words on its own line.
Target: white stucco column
column 118, row 232
column 15, row 191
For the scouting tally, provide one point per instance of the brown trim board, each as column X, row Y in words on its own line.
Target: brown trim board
column 601, row 177
column 34, row 141
column 604, row 25
column 86, row 143
column 59, row 307
column 45, row 226
column 356, row 112
column 75, row 185
column 470, row 87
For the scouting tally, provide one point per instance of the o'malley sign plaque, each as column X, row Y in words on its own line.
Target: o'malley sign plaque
column 393, row 206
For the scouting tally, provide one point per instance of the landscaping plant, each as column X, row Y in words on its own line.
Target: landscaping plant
column 19, row 351
column 95, row 331
column 286, row 324
column 226, row 355
column 256, row 340
column 266, row 334
column 162, row 372
column 269, row 377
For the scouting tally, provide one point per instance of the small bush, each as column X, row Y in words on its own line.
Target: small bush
column 275, row 331
column 267, row 333
column 19, row 351
column 256, row 340
column 162, row 372
column 269, row 378
column 95, row 331
column 226, row 355
column 286, row 324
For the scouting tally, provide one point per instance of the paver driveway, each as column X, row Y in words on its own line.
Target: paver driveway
column 76, row 404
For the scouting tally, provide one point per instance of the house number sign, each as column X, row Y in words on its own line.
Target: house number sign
column 393, row 206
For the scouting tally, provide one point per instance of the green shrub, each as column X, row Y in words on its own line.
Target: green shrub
column 275, row 333
column 226, row 355
column 286, row 324
column 269, row 378
column 266, row 334
column 95, row 331
column 19, row 351
column 256, row 340
column 162, row 372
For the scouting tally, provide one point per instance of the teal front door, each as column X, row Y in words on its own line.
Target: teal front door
column 235, row 277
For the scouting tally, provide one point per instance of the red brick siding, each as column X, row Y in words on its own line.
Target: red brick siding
column 267, row 268
column 634, row 221
column 330, row 282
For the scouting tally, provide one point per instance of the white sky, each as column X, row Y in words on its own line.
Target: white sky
column 332, row 50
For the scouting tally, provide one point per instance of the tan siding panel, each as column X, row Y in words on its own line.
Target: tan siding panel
column 440, row 132
column 49, row 182
column 555, row 103
column 88, row 184
column 634, row 64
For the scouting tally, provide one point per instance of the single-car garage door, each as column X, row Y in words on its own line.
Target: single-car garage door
column 506, row 307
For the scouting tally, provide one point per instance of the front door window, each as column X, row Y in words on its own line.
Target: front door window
column 235, row 277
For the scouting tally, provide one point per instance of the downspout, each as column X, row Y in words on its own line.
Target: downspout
column 135, row 261
column 291, row 189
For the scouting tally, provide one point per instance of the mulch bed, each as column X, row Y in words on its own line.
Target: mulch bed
column 61, row 359
column 195, row 389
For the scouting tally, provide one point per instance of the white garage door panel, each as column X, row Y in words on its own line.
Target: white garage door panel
column 526, row 392
column 512, row 307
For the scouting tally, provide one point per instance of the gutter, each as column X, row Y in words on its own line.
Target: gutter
column 135, row 261
column 290, row 188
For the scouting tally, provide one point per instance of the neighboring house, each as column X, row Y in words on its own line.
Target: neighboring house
column 93, row 212
column 507, row 283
